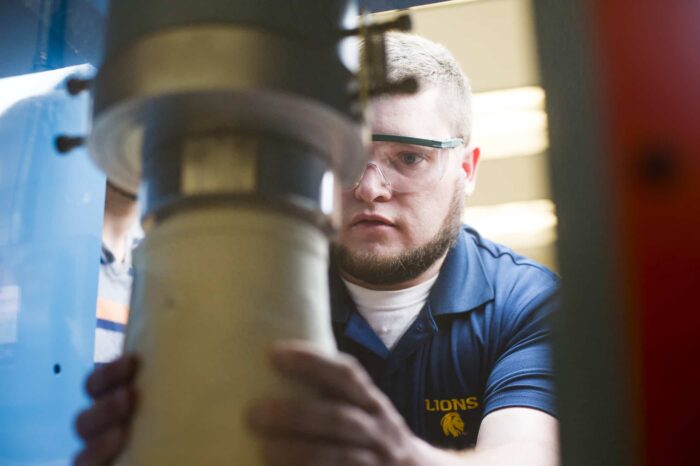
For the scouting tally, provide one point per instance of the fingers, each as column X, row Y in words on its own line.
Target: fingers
column 314, row 419
column 295, row 452
column 103, row 425
column 100, row 450
column 111, row 375
column 339, row 376
column 110, row 410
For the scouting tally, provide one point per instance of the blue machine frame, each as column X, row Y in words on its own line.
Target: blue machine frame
column 51, row 209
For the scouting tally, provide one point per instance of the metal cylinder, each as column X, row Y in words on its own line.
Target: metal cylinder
column 213, row 288
column 183, row 68
column 236, row 121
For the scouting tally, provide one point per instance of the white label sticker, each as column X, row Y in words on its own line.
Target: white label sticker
column 9, row 310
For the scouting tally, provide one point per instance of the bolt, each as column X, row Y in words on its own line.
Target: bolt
column 77, row 85
column 65, row 144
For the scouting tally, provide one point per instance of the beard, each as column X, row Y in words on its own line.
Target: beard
column 379, row 269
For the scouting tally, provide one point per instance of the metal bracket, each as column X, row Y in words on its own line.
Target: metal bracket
column 373, row 80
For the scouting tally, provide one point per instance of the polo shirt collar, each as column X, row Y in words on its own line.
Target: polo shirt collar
column 342, row 305
column 461, row 286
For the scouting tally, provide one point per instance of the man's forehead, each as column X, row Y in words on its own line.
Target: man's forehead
column 416, row 115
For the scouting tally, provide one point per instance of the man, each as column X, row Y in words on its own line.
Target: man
column 450, row 359
column 120, row 234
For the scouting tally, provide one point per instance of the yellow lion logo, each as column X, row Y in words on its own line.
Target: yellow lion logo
column 452, row 424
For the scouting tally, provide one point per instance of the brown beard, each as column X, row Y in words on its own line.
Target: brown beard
column 391, row 270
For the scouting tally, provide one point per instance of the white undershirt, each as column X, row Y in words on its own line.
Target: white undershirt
column 390, row 313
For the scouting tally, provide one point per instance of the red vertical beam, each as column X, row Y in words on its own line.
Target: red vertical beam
column 650, row 75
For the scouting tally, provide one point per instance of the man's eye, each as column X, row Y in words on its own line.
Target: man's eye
column 411, row 158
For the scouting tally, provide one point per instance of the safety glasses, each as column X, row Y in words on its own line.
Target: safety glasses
column 406, row 164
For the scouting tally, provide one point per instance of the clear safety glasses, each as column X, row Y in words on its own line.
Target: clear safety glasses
column 405, row 164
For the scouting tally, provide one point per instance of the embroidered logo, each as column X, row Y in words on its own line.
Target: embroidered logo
column 455, row 404
column 452, row 411
column 452, row 425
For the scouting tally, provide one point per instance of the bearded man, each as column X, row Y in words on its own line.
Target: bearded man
column 445, row 358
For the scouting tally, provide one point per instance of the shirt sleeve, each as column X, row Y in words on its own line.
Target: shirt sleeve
column 521, row 375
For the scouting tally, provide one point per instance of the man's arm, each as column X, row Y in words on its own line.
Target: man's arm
column 350, row 423
column 517, row 436
column 507, row 437
column 355, row 424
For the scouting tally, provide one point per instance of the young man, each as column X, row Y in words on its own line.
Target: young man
column 449, row 349
column 120, row 234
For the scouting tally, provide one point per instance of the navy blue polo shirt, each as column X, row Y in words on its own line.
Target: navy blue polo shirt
column 480, row 343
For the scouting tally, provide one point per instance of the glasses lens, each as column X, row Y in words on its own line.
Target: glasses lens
column 404, row 168
column 409, row 167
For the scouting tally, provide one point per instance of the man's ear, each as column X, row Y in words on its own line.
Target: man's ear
column 470, row 164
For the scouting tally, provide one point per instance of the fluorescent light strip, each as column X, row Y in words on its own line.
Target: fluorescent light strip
column 510, row 122
column 518, row 225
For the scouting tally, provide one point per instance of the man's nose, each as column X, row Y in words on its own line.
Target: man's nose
column 372, row 185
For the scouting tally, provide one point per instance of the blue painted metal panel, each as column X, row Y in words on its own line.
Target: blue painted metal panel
column 49, row 34
column 51, row 209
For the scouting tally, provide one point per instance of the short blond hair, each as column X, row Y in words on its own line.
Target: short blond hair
column 433, row 66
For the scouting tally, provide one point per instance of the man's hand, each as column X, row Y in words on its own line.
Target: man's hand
column 351, row 423
column 103, row 426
